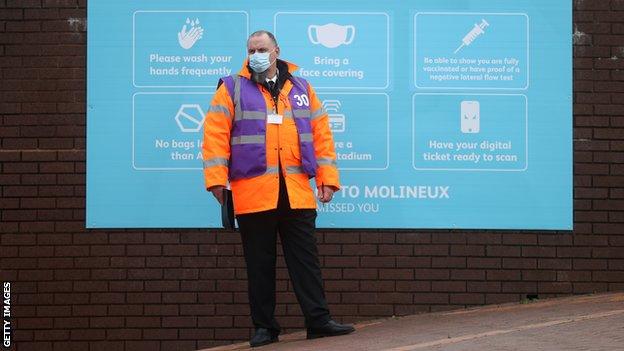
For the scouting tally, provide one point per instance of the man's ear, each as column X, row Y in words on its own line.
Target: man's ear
column 277, row 51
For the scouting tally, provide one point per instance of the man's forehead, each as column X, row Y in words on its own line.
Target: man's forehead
column 262, row 40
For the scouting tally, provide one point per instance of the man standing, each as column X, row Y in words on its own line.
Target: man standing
column 267, row 134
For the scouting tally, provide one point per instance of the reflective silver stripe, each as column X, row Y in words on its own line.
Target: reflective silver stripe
column 302, row 113
column 271, row 170
column 238, row 113
column 251, row 115
column 305, row 137
column 247, row 139
column 219, row 108
column 318, row 113
column 325, row 161
column 294, row 170
column 217, row 161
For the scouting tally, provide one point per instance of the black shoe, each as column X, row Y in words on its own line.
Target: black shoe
column 332, row 328
column 263, row 336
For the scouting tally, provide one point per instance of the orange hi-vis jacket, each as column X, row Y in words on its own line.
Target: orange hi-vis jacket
column 282, row 142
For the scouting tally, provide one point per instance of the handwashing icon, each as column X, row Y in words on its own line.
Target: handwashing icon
column 195, row 33
column 331, row 35
column 473, row 34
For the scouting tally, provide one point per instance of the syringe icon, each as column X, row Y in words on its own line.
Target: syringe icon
column 473, row 34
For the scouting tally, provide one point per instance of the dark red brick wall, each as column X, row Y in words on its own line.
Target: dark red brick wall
column 111, row 290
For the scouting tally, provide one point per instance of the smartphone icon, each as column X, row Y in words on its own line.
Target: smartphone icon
column 470, row 117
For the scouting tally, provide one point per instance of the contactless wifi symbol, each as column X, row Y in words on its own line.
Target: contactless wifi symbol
column 337, row 120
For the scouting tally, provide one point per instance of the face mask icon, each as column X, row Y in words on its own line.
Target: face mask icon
column 331, row 35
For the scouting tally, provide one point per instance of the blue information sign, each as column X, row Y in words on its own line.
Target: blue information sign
column 445, row 114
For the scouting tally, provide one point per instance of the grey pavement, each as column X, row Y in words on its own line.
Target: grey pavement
column 588, row 322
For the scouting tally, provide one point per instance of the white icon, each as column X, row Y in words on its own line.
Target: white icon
column 331, row 35
column 470, row 117
column 473, row 34
column 190, row 118
column 337, row 120
column 188, row 39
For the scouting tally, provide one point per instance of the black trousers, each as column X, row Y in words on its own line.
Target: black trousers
column 259, row 236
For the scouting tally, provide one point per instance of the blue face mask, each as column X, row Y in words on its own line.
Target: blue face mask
column 260, row 61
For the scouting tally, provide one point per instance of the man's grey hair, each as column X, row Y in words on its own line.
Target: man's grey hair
column 261, row 32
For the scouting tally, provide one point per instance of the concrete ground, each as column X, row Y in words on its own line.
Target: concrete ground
column 594, row 322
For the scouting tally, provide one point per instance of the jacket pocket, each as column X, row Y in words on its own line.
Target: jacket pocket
column 296, row 152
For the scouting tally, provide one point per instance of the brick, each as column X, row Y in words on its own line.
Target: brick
column 143, row 345
column 232, row 262
column 412, row 238
column 349, row 249
column 591, row 5
column 183, row 274
column 179, row 322
column 431, row 298
column 503, row 251
column 431, row 274
column 467, row 274
column 359, row 273
column 395, row 250
column 520, row 287
column 11, row 14
column 483, row 286
column 467, row 299
column 180, row 250
column 396, row 274
column 377, row 261
column 467, row 250
column 536, row 275
column 554, row 287
column 501, row 298
column 519, row 263
column 448, row 286
column 160, row 334
column 341, row 285
column 448, row 262
column 589, row 288
column 413, row 262
column 127, row 309
column 19, row 263
column 36, row 323
column 78, row 300
column 53, row 311
column 388, row 285
column 538, row 251
column 342, row 238
column 339, row 261
column 99, row 346
column 431, row 250
column 579, row 276
column 503, row 275
column 483, row 262
column 334, row 249
column 449, row 238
